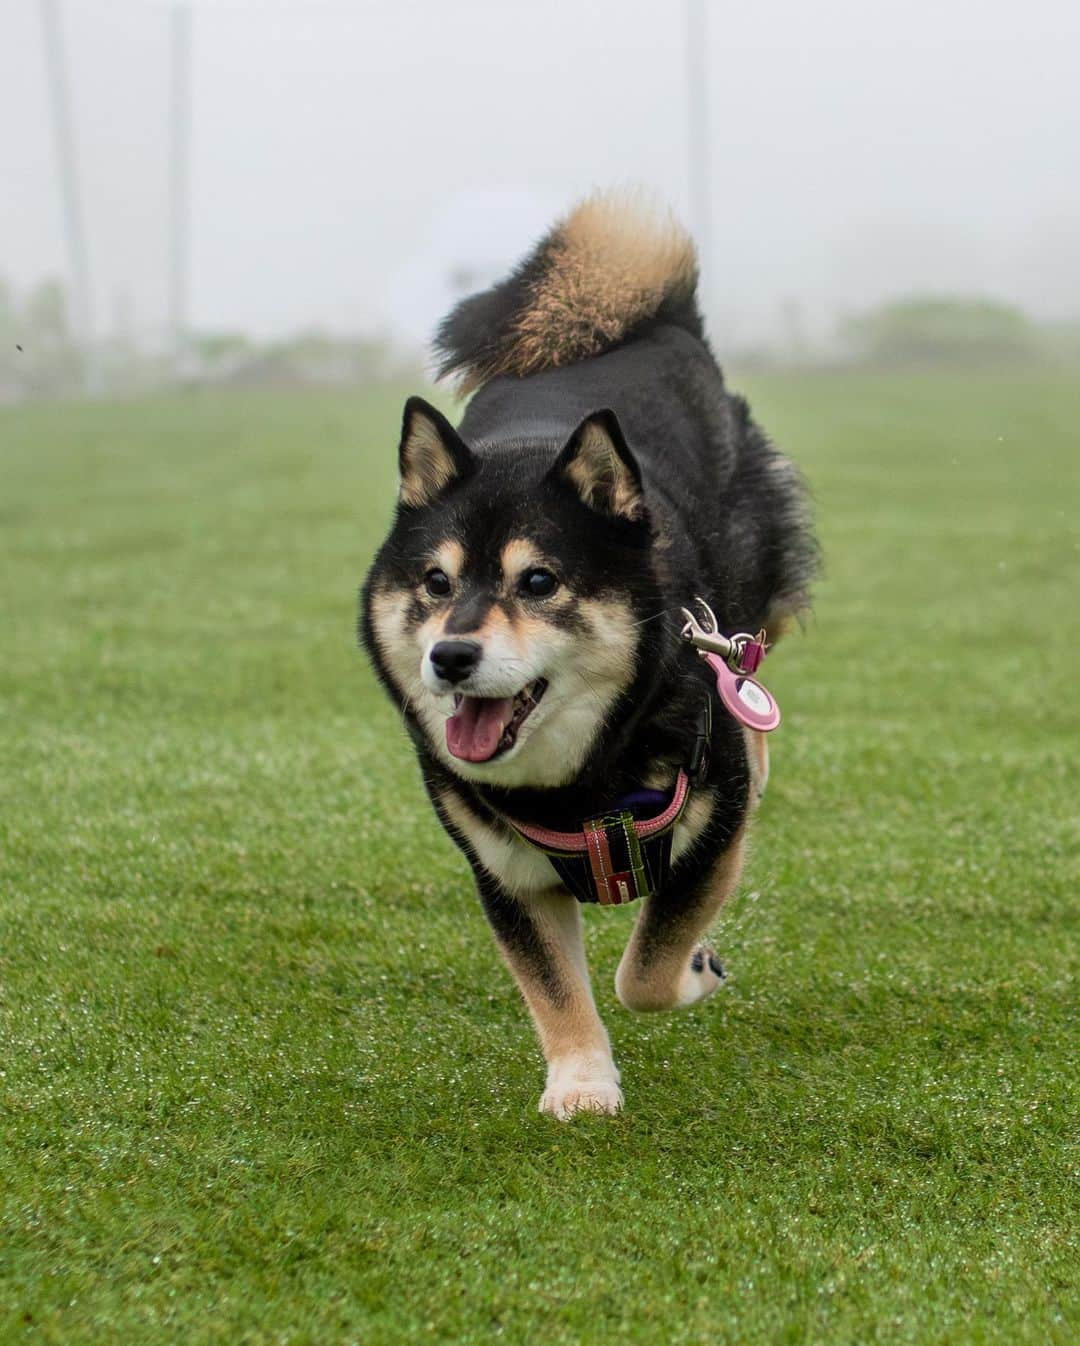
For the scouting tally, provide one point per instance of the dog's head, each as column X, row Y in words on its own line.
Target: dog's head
column 508, row 608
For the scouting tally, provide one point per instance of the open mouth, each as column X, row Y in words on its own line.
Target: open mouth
column 483, row 727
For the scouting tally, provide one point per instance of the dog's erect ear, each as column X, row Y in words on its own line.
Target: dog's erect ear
column 598, row 465
column 432, row 454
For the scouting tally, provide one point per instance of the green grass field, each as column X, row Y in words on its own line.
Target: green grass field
column 262, row 1076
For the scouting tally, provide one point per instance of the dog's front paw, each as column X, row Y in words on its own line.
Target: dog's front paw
column 573, row 1096
column 580, row 1085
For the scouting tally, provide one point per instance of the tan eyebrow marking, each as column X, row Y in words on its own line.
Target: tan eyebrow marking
column 449, row 556
column 518, row 556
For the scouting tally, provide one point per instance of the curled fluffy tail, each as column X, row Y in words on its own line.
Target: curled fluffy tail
column 613, row 264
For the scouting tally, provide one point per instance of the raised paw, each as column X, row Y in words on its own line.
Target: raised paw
column 668, row 987
column 577, row 1086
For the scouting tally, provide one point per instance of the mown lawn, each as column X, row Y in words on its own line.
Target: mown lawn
column 262, row 1077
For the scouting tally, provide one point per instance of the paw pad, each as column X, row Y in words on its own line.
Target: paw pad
column 699, row 958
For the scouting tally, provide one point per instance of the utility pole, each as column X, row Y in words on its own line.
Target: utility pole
column 71, row 201
column 179, row 148
column 698, row 162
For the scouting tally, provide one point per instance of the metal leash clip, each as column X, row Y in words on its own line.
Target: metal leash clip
column 742, row 652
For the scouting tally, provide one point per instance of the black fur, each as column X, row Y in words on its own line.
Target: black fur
column 726, row 519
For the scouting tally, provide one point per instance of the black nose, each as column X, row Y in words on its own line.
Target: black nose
column 454, row 660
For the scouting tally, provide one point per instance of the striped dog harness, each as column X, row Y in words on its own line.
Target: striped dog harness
column 616, row 856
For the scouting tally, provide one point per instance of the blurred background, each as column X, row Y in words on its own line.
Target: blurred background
column 293, row 192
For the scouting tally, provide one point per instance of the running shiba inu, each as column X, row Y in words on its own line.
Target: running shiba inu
column 526, row 615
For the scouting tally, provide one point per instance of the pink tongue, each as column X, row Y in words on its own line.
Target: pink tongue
column 474, row 730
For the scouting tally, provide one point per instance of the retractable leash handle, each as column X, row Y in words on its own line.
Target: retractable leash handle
column 733, row 659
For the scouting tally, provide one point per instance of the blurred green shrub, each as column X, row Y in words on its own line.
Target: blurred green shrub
column 940, row 330
column 38, row 356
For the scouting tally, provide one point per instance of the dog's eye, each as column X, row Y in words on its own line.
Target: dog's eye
column 437, row 583
column 538, row 583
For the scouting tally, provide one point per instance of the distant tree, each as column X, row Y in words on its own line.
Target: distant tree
column 316, row 358
column 49, row 364
column 45, row 313
column 940, row 330
column 215, row 347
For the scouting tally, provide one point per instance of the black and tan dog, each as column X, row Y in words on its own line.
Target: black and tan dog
column 525, row 614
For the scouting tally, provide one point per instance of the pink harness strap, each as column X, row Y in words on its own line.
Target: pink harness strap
column 577, row 841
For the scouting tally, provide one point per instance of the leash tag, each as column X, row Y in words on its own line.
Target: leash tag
column 745, row 698
column 751, row 655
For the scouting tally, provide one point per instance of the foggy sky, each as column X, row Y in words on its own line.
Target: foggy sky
column 342, row 153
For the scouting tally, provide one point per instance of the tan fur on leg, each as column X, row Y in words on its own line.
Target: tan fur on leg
column 757, row 751
column 659, row 969
column 582, row 1076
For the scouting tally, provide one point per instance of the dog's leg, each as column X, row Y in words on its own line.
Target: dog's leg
column 665, row 966
column 757, row 753
column 540, row 938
